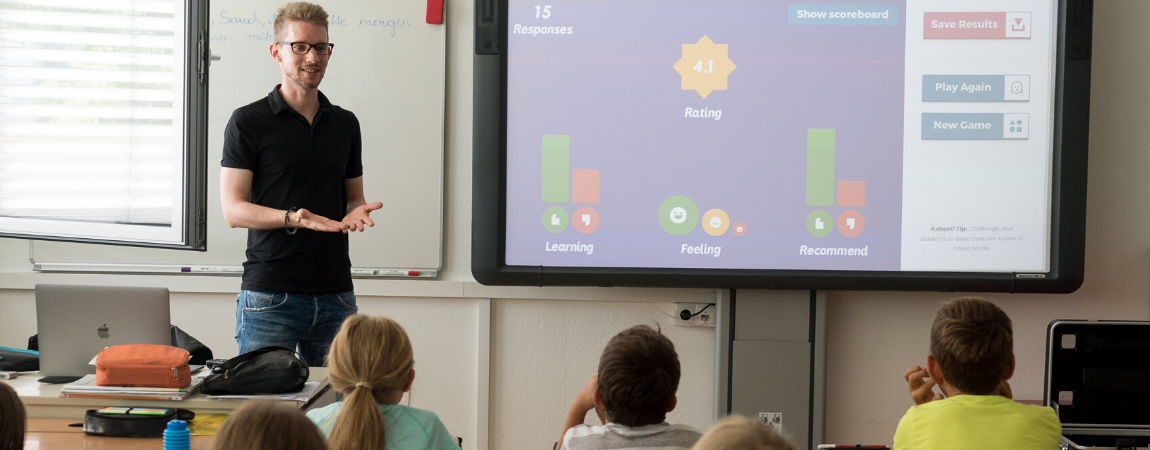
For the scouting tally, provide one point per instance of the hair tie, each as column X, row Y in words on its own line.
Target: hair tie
column 363, row 384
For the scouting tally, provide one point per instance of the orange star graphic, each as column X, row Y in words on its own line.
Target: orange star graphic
column 704, row 67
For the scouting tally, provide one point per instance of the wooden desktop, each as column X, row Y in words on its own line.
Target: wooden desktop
column 52, row 419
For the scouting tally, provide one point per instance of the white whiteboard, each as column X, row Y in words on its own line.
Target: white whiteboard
column 388, row 68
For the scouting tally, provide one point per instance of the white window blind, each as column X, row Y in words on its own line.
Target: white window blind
column 92, row 116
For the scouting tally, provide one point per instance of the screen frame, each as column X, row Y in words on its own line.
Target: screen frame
column 1067, row 209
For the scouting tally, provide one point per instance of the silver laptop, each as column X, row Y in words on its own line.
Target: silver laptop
column 76, row 322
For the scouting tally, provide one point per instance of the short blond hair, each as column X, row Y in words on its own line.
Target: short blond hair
column 267, row 425
column 299, row 11
column 741, row 433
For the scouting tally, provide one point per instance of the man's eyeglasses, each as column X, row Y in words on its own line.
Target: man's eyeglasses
column 301, row 48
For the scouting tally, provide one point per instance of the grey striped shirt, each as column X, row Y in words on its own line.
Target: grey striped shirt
column 618, row 437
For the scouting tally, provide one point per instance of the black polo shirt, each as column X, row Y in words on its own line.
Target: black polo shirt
column 296, row 164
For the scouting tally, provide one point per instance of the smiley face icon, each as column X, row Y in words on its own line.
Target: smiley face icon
column 716, row 222
column 678, row 215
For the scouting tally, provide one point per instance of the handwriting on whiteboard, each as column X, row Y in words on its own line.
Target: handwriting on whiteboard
column 237, row 26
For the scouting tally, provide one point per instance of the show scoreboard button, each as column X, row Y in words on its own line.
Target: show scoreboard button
column 842, row 15
column 976, row 25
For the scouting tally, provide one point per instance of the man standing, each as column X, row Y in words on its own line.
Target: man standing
column 293, row 176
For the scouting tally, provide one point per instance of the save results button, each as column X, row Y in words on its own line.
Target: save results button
column 976, row 25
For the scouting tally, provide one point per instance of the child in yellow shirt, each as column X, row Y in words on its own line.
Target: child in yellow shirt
column 971, row 358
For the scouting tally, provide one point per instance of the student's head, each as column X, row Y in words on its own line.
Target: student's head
column 267, row 425
column 740, row 433
column 304, row 24
column 638, row 377
column 370, row 362
column 972, row 343
column 11, row 419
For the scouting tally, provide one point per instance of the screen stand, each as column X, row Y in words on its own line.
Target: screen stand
column 771, row 359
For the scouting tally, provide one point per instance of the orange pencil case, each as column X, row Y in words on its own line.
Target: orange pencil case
column 143, row 365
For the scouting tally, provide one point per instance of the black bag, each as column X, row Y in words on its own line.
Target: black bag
column 269, row 370
column 19, row 360
column 200, row 352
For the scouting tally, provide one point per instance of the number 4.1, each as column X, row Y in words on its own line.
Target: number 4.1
column 710, row 66
column 542, row 12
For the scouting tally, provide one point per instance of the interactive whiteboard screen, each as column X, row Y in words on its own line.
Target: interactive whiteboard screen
column 893, row 145
column 748, row 134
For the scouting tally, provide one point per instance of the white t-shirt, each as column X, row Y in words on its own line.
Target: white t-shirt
column 662, row 436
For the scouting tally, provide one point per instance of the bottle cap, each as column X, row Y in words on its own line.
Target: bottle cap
column 177, row 425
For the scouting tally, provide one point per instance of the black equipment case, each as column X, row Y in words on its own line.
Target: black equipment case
column 1098, row 382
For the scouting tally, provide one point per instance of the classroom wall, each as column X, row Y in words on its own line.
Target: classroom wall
column 544, row 342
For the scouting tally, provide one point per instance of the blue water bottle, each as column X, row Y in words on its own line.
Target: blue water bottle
column 177, row 436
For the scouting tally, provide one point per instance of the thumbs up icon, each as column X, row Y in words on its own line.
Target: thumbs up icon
column 555, row 220
column 820, row 223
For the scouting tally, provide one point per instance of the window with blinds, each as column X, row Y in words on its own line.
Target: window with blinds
column 97, row 140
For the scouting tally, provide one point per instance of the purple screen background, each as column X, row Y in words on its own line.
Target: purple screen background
column 610, row 85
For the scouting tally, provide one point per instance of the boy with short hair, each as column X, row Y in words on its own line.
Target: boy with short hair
column 632, row 394
column 971, row 358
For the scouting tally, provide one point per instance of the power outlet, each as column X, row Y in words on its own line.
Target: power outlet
column 773, row 420
column 695, row 314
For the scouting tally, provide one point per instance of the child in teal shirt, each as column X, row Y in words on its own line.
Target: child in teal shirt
column 372, row 364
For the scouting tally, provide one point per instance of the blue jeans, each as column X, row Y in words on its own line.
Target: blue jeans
column 304, row 322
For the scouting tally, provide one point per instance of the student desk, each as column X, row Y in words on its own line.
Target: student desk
column 43, row 401
column 56, row 434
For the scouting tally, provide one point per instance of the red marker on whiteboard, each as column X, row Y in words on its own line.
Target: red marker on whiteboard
column 400, row 273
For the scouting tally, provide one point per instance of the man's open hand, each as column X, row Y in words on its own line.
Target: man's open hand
column 305, row 219
column 358, row 218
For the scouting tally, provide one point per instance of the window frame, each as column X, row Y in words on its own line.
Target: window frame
column 188, row 230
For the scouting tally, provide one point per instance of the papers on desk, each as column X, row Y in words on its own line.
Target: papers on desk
column 86, row 388
column 301, row 396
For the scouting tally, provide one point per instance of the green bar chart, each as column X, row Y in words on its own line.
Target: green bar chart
column 556, row 168
column 820, row 167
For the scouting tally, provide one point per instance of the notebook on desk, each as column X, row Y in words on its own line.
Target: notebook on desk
column 76, row 322
column 86, row 388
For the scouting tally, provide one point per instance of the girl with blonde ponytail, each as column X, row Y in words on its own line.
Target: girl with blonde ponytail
column 372, row 364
